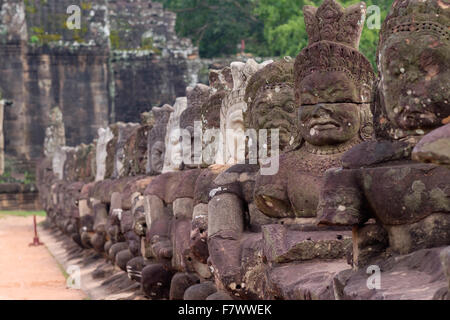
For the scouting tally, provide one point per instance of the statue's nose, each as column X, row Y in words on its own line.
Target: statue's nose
column 319, row 111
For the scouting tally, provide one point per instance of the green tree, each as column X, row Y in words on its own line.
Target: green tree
column 285, row 31
column 218, row 26
column 269, row 27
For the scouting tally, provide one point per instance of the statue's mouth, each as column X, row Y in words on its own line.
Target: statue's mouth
column 276, row 124
column 321, row 125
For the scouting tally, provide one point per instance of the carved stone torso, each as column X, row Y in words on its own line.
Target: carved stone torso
column 284, row 195
column 411, row 200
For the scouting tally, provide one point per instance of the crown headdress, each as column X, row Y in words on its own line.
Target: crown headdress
column 406, row 16
column 334, row 34
column 332, row 22
column 277, row 74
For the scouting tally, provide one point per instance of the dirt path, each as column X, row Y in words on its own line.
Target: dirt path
column 29, row 273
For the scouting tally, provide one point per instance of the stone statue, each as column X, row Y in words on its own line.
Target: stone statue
column 330, row 122
column 232, row 113
column 173, row 154
column 125, row 130
column 333, row 84
column 192, row 270
column 169, row 196
column 133, row 195
column 55, row 135
column 85, row 162
column 156, row 140
column 58, row 160
column 221, row 83
column 136, row 148
column 104, row 136
column 434, row 147
column 231, row 209
column 396, row 205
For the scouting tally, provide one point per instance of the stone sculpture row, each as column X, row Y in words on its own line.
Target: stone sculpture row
column 361, row 171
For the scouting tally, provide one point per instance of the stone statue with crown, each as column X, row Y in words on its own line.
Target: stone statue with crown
column 399, row 208
column 333, row 84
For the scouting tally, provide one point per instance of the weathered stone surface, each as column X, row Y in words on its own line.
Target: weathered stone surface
column 136, row 152
column 134, row 268
column 445, row 257
column 104, row 137
column 200, row 291
column 369, row 242
column 187, row 182
column 125, row 130
column 69, row 170
column 108, row 245
column 173, row 154
column 180, row 235
column 417, row 276
column 156, row 280
column 255, row 235
column 136, row 185
column 98, row 241
column 237, row 263
column 232, row 112
column 413, row 37
column 164, row 186
column 14, row 196
column 305, row 281
column 372, row 153
column 270, row 100
column 414, row 211
column 85, row 163
column 198, row 242
column 55, row 134
column 120, row 45
column 156, row 146
column 229, row 216
column 180, row 283
column 327, row 131
column 115, row 249
column 411, row 202
column 122, row 259
column 434, row 147
column 219, row 296
column 282, row 245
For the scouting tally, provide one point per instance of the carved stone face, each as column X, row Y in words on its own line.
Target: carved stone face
column 191, row 137
column 415, row 81
column 274, row 108
column 235, row 133
column 232, row 113
column 174, row 151
column 329, row 124
column 157, row 156
column 327, row 116
column 328, row 87
column 175, row 146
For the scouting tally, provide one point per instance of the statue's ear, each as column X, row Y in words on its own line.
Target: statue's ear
column 311, row 23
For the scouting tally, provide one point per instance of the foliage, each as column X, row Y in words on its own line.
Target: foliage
column 23, row 213
column 11, row 173
column 270, row 27
column 218, row 26
column 285, row 31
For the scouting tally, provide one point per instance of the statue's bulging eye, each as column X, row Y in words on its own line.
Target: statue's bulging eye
column 289, row 106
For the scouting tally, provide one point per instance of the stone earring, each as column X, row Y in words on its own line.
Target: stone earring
column 366, row 131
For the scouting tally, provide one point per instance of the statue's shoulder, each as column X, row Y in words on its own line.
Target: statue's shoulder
column 373, row 153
